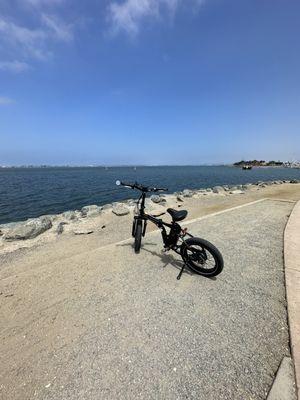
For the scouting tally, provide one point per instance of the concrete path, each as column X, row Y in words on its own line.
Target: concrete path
column 283, row 387
column 109, row 324
column 292, row 276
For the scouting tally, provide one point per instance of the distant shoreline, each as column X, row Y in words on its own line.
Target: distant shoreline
column 136, row 166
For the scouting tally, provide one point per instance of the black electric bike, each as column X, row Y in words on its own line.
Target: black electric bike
column 199, row 255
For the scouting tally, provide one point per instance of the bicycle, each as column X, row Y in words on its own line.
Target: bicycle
column 195, row 252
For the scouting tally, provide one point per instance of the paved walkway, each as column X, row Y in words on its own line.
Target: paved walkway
column 109, row 324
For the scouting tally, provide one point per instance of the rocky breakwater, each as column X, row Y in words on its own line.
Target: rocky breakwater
column 91, row 217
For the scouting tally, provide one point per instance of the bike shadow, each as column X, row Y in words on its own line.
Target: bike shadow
column 166, row 258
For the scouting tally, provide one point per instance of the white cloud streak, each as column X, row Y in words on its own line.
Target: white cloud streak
column 40, row 3
column 14, row 66
column 129, row 15
column 28, row 41
column 33, row 43
column 5, row 101
column 57, row 28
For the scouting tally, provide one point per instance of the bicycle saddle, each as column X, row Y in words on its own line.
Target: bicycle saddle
column 177, row 215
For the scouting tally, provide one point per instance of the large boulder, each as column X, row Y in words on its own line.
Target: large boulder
column 91, row 211
column 157, row 199
column 154, row 208
column 29, row 229
column 107, row 206
column 120, row 209
column 294, row 181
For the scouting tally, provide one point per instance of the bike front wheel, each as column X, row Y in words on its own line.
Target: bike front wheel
column 202, row 257
column 138, row 236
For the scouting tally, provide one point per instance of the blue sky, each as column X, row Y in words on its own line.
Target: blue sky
column 149, row 81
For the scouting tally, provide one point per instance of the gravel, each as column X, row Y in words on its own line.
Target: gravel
column 120, row 326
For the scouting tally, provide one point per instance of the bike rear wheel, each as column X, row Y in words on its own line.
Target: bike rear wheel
column 202, row 257
column 138, row 236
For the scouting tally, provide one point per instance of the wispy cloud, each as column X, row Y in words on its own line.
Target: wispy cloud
column 34, row 43
column 5, row 101
column 21, row 40
column 129, row 15
column 57, row 28
column 30, row 42
column 14, row 66
column 40, row 3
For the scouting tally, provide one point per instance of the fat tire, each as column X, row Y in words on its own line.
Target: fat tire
column 138, row 236
column 219, row 262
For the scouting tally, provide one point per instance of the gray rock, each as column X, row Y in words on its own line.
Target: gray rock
column 60, row 228
column 132, row 203
column 294, row 181
column 94, row 213
column 209, row 190
column 29, row 229
column 180, row 197
column 107, row 206
column 120, row 209
column 69, row 215
column 91, row 211
column 187, row 193
column 157, row 199
column 128, row 201
column 218, row 189
column 52, row 217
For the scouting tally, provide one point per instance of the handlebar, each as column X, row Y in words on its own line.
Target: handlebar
column 141, row 187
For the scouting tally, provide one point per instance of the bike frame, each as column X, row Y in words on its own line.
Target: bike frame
column 170, row 239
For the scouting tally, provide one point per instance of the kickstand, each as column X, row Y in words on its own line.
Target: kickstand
column 181, row 271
